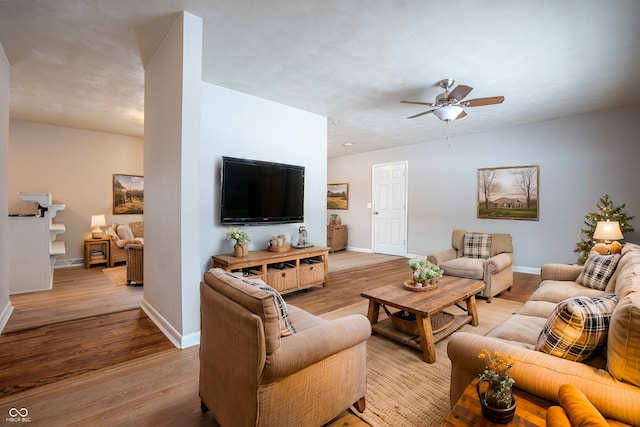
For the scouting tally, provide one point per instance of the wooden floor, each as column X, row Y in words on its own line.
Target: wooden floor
column 42, row 367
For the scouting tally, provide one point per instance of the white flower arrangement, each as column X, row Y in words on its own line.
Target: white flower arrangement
column 424, row 270
column 238, row 235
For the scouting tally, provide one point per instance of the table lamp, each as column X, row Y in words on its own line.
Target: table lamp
column 607, row 231
column 97, row 222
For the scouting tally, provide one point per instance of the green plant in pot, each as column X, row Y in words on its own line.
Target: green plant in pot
column 424, row 271
column 241, row 247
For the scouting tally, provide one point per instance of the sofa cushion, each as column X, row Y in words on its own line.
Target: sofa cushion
column 521, row 330
column 577, row 328
column 477, row 245
column 623, row 351
column 471, row 268
column 559, row 290
column 597, row 270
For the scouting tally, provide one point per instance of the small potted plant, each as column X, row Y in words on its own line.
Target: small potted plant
column 425, row 272
column 241, row 247
column 498, row 403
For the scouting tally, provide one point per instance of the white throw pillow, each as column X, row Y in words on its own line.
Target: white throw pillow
column 124, row 232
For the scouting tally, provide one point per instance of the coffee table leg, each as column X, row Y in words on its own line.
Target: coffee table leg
column 472, row 310
column 426, row 339
column 374, row 310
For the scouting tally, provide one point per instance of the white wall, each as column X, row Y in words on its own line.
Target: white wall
column 76, row 166
column 172, row 143
column 239, row 125
column 581, row 158
column 5, row 305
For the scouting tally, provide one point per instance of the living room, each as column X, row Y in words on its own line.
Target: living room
column 581, row 158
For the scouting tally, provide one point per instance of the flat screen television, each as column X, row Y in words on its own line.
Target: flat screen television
column 259, row 192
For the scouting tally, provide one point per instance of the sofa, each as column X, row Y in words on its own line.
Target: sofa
column 555, row 342
column 121, row 235
column 482, row 256
column 266, row 363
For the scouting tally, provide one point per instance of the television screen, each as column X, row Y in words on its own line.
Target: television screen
column 257, row 192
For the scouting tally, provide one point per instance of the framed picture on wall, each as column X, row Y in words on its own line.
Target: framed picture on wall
column 128, row 194
column 338, row 196
column 509, row 193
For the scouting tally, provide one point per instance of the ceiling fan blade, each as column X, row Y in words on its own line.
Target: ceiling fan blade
column 461, row 115
column 430, row 104
column 421, row 114
column 459, row 92
column 478, row 102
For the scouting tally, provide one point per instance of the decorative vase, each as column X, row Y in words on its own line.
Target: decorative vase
column 240, row 250
column 496, row 415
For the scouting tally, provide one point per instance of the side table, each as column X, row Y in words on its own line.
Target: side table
column 531, row 410
column 96, row 251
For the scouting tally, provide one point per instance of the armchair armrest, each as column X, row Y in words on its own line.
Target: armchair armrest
column 305, row 348
column 438, row 258
column 124, row 242
column 498, row 263
column 560, row 272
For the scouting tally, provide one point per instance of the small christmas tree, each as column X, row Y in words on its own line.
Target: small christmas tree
column 606, row 212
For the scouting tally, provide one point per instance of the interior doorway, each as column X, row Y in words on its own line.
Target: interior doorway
column 389, row 210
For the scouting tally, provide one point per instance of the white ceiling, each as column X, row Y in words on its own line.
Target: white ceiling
column 80, row 63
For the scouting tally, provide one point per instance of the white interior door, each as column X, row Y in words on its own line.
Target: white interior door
column 390, row 208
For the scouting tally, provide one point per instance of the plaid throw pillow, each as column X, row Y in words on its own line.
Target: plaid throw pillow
column 286, row 327
column 477, row 245
column 597, row 270
column 577, row 328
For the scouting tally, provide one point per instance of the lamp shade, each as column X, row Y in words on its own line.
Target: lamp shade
column 98, row 221
column 607, row 230
column 448, row 112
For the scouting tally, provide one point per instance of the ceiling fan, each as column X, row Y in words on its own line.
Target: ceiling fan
column 449, row 105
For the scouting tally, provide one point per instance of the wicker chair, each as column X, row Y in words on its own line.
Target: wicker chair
column 117, row 245
column 135, row 263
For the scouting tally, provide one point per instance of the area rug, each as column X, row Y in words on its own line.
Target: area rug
column 402, row 390
column 117, row 275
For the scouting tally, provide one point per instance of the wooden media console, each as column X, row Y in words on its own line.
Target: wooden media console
column 284, row 271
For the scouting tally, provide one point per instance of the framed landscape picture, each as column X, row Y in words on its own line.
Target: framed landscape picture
column 128, row 194
column 509, row 193
column 337, row 196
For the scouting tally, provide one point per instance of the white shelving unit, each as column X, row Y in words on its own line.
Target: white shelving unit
column 33, row 245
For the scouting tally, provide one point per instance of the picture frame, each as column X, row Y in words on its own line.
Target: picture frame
column 128, row 194
column 510, row 192
column 338, row 196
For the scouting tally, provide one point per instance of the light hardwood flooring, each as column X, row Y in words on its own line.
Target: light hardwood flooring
column 115, row 367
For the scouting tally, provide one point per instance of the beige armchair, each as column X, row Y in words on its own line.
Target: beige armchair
column 493, row 263
column 121, row 235
column 254, row 373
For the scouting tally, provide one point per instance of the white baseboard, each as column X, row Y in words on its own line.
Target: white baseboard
column 64, row 263
column 5, row 314
column 170, row 332
column 351, row 248
column 528, row 270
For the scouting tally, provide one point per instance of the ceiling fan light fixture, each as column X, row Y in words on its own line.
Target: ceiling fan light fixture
column 448, row 112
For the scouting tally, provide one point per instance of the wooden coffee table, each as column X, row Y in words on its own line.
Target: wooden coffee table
column 530, row 410
column 425, row 305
